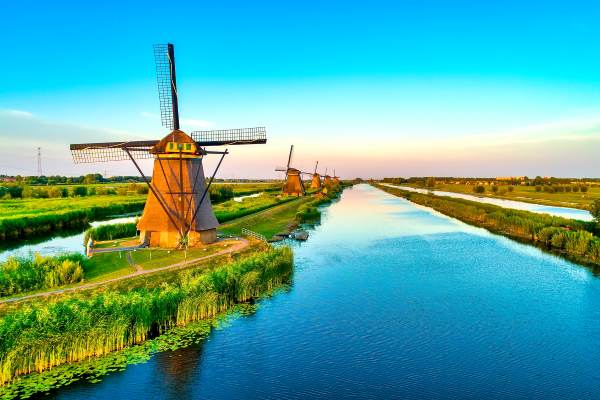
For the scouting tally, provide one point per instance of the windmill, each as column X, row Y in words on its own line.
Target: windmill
column 316, row 179
column 336, row 179
column 178, row 212
column 293, row 185
column 327, row 181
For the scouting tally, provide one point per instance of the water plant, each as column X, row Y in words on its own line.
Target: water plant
column 110, row 232
column 22, row 274
column 44, row 335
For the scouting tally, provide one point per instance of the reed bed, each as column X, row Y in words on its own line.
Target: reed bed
column 22, row 274
column 41, row 336
column 574, row 238
column 111, row 232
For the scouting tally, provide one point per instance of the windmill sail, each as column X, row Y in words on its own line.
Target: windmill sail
column 226, row 137
column 164, row 57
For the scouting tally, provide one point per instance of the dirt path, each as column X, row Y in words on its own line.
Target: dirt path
column 138, row 272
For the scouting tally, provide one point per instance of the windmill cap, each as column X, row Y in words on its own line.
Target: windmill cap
column 176, row 136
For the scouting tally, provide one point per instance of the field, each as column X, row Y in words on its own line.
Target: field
column 529, row 194
column 23, row 218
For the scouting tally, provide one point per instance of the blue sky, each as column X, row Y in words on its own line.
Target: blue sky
column 371, row 88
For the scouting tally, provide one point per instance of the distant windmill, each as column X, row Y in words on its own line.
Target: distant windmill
column 336, row 179
column 178, row 211
column 327, row 181
column 316, row 179
column 293, row 185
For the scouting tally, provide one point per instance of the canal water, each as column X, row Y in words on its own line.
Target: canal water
column 565, row 212
column 393, row 300
column 58, row 244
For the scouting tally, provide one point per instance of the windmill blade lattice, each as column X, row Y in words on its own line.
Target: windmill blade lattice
column 226, row 137
column 166, row 85
column 111, row 151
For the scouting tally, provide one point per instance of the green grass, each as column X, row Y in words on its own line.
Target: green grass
column 35, row 207
column 156, row 258
column 269, row 222
column 106, row 266
column 528, row 194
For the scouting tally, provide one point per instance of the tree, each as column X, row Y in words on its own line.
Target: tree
column 595, row 210
column 430, row 182
column 89, row 179
column 479, row 189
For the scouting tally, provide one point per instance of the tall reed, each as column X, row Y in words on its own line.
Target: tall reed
column 41, row 336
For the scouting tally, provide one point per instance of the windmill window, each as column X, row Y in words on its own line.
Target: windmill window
column 188, row 146
column 171, row 146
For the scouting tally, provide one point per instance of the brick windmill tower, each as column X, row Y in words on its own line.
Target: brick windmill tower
column 178, row 212
column 327, row 182
column 315, row 183
column 293, row 185
column 336, row 179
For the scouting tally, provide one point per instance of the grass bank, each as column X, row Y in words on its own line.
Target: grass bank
column 527, row 194
column 20, row 219
column 74, row 328
column 574, row 239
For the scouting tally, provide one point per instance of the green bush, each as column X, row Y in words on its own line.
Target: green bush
column 479, row 189
column 23, row 274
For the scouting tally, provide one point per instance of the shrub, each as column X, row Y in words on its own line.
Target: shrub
column 511, row 188
column 583, row 188
column 538, row 188
column 595, row 210
column 79, row 191
column 22, row 274
column 479, row 189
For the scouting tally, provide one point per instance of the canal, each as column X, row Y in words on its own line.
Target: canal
column 393, row 300
column 565, row 212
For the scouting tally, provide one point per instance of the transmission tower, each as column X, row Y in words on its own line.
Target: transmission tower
column 39, row 162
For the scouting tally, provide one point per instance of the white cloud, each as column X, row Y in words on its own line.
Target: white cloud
column 18, row 113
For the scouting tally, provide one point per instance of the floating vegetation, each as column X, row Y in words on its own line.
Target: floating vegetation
column 45, row 335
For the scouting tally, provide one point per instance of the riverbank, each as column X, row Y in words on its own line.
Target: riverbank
column 526, row 194
column 78, row 327
column 576, row 240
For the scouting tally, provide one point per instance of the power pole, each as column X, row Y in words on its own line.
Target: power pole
column 39, row 162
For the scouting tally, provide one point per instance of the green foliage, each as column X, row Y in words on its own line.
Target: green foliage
column 22, row 274
column 479, row 189
column 595, row 210
column 220, row 193
column 110, row 232
column 45, row 335
column 430, row 182
column 79, row 191
column 21, row 219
